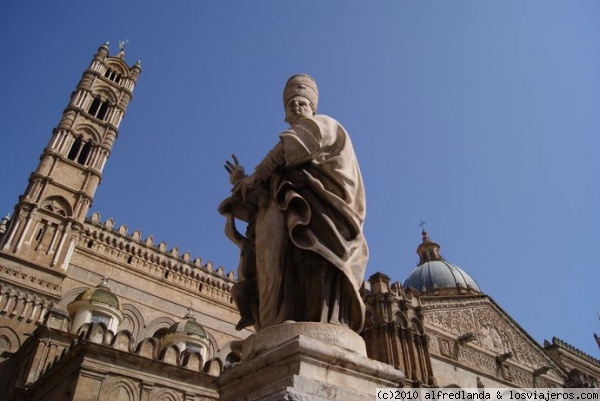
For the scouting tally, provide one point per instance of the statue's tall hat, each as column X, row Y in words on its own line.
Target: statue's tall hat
column 301, row 85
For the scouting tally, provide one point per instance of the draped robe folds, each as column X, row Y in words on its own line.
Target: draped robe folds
column 310, row 250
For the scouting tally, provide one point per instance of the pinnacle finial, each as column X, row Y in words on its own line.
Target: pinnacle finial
column 190, row 313
column 104, row 282
column 122, row 45
column 103, row 51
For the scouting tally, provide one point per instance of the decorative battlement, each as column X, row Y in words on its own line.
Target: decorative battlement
column 560, row 344
column 97, row 333
column 57, row 351
column 130, row 250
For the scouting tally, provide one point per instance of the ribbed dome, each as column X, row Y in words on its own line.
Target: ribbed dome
column 436, row 275
column 439, row 274
column 189, row 326
column 100, row 294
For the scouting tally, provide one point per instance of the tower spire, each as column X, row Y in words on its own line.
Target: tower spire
column 50, row 214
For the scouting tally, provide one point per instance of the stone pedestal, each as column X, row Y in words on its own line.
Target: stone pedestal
column 306, row 361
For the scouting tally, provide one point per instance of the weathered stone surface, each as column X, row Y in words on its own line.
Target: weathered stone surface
column 331, row 334
column 304, row 367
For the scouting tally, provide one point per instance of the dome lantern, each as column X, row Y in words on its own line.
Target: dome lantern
column 428, row 250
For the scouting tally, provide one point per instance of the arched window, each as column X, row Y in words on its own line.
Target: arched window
column 94, row 106
column 98, row 317
column 113, row 76
column 194, row 347
column 79, row 153
column 98, row 108
column 74, row 149
column 103, row 110
column 85, row 151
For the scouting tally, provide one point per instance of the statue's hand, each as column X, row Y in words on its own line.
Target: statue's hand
column 235, row 170
column 244, row 185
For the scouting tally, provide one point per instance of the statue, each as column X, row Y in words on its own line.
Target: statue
column 304, row 255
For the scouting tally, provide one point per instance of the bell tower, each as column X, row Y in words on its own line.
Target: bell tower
column 49, row 216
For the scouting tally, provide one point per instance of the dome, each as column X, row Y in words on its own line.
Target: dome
column 189, row 336
column 100, row 294
column 96, row 305
column 187, row 326
column 437, row 275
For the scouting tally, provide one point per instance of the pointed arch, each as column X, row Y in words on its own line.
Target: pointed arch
column 401, row 320
column 69, row 296
column 165, row 394
column 105, row 92
column 133, row 320
column 98, row 333
column 192, row 361
column 9, row 340
column 417, row 326
column 119, row 388
column 148, row 348
column 57, row 205
column 156, row 325
column 213, row 345
column 118, row 66
column 88, row 133
column 214, row 367
column 83, row 330
column 170, row 354
column 123, row 341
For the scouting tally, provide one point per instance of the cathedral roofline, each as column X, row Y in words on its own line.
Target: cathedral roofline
column 459, row 300
column 161, row 248
column 560, row 344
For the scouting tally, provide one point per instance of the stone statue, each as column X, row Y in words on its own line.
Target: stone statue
column 304, row 255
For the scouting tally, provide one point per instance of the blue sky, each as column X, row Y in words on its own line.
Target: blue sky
column 481, row 118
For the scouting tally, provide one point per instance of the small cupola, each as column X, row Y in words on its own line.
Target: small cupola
column 96, row 305
column 187, row 334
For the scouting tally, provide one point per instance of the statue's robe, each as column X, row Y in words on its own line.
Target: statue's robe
column 310, row 248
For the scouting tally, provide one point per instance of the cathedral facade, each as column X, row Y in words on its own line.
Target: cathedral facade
column 90, row 311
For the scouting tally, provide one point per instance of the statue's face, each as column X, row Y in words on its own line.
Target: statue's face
column 297, row 108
